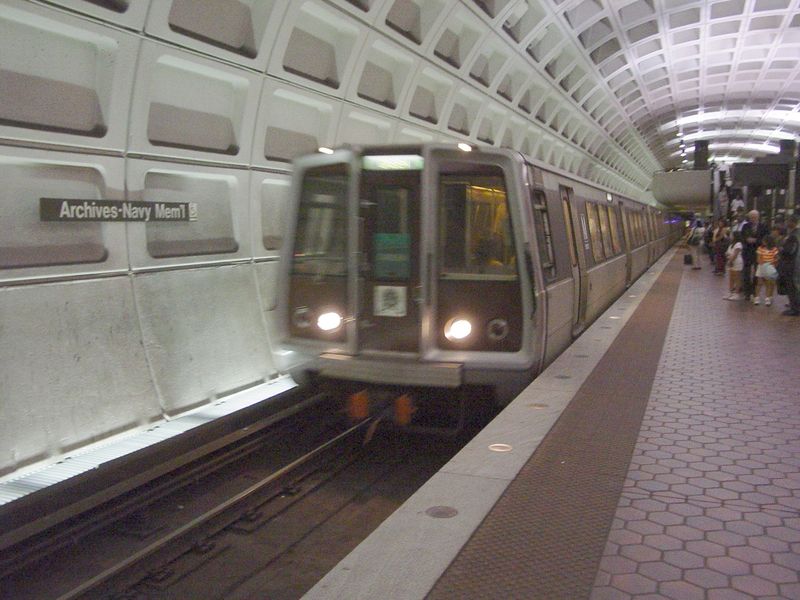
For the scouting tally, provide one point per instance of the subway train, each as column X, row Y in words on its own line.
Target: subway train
column 443, row 267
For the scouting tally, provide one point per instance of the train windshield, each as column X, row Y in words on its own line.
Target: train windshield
column 476, row 233
column 320, row 247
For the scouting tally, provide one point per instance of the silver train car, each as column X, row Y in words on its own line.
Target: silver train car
column 442, row 268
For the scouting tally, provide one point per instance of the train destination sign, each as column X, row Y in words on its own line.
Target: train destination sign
column 71, row 209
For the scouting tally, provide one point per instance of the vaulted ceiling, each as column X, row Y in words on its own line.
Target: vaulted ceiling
column 679, row 71
column 610, row 90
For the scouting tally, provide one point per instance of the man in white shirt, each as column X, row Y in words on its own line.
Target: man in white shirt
column 738, row 220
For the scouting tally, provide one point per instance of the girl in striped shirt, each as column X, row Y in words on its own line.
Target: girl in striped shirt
column 766, row 273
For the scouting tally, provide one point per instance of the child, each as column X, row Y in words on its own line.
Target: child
column 766, row 273
column 735, row 266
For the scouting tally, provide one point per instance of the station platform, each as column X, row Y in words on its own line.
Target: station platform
column 659, row 457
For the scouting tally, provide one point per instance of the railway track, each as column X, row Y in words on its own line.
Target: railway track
column 241, row 524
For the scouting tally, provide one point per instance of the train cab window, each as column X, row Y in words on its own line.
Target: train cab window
column 605, row 231
column 594, row 232
column 320, row 247
column 474, row 227
column 387, row 232
column 612, row 218
column 544, row 236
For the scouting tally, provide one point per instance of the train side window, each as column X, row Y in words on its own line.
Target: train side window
column 627, row 226
column 544, row 236
column 572, row 243
column 612, row 218
column 642, row 230
column 632, row 228
column 605, row 231
column 637, row 228
column 474, row 227
column 594, row 232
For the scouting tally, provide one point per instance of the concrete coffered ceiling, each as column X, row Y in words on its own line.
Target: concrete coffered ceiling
column 610, row 90
column 680, row 71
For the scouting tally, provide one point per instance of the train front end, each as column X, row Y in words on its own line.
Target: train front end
column 408, row 269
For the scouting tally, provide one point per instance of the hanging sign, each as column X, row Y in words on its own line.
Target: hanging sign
column 71, row 209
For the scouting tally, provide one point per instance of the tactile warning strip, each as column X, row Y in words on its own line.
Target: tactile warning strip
column 545, row 536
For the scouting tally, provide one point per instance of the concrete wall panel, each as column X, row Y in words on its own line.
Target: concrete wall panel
column 33, row 249
column 203, row 332
column 72, row 368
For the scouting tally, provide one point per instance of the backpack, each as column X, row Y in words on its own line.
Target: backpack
column 694, row 239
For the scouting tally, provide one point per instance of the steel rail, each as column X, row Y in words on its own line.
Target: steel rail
column 195, row 523
column 24, row 554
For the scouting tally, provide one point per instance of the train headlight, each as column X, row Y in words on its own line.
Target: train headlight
column 457, row 329
column 329, row 321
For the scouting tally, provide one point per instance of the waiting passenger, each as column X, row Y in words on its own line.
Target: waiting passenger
column 738, row 220
column 789, row 267
column 753, row 231
column 766, row 272
column 719, row 244
column 735, row 266
column 779, row 229
column 708, row 236
column 694, row 239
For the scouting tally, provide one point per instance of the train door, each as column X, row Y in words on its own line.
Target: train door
column 576, row 253
column 389, row 289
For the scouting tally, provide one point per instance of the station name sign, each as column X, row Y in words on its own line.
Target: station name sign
column 71, row 209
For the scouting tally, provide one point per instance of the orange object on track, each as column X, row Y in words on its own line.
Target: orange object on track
column 358, row 405
column 403, row 409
